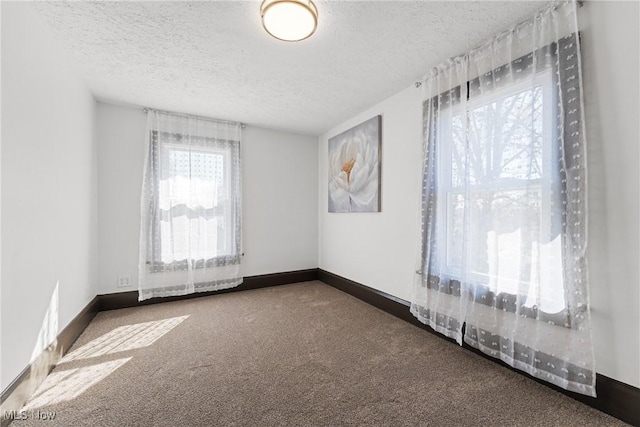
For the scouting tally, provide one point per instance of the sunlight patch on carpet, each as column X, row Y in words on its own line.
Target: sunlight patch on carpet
column 128, row 337
column 69, row 384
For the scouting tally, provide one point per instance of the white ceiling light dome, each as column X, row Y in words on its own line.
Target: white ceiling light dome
column 289, row 20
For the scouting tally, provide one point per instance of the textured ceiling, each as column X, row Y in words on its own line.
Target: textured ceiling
column 214, row 58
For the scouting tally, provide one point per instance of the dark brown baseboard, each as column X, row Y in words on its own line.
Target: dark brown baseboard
column 18, row 392
column 614, row 397
column 130, row 298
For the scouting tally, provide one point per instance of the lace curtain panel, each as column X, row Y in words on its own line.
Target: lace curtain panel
column 190, row 234
column 502, row 260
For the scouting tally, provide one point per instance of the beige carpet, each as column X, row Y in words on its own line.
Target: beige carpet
column 302, row 354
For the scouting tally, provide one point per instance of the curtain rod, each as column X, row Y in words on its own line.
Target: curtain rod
column 147, row 109
column 580, row 3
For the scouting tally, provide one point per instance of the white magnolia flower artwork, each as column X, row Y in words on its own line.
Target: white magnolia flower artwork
column 354, row 168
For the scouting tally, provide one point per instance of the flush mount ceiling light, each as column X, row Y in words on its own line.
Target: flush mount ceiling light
column 289, row 20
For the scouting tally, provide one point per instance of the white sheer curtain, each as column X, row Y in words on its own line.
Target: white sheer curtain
column 191, row 210
column 502, row 254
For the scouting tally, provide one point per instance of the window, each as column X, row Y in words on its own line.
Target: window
column 190, row 236
column 496, row 156
column 195, row 201
column 503, row 183
column 502, row 261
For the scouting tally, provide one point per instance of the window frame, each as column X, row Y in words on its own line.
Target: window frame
column 446, row 187
column 231, row 156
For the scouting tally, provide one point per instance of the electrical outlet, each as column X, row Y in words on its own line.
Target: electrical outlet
column 124, row 281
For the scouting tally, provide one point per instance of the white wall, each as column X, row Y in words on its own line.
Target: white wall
column 121, row 133
column 49, row 213
column 280, row 197
column 379, row 249
column 280, row 201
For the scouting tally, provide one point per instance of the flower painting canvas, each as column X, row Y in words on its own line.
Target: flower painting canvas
column 354, row 168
